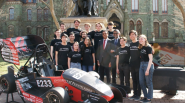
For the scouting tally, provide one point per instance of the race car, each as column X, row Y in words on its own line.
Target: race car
column 39, row 81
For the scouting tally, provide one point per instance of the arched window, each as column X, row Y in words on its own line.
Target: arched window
column 39, row 31
column 131, row 25
column 164, row 7
column 139, row 27
column 164, row 31
column 29, row 14
column 46, row 33
column 135, row 6
column 10, row 31
column 11, row 13
column 46, row 13
column 156, row 29
column 155, row 6
column 39, row 14
column 28, row 30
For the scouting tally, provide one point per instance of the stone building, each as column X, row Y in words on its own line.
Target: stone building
column 150, row 17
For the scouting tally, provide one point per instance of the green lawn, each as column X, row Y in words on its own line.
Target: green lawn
column 4, row 65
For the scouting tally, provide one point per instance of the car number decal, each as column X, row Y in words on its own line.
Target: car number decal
column 44, row 83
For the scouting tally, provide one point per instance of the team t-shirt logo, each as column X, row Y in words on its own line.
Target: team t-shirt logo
column 134, row 48
column 123, row 52
column 76, row 32
column 76, row 55
column 64, row 49
column 143, row 51
column 87, row 50
column 98, row 34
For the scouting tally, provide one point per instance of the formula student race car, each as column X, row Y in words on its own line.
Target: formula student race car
column 38, row 80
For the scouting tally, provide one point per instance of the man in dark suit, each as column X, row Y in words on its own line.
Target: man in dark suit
column 103, row 56
column 115, row 43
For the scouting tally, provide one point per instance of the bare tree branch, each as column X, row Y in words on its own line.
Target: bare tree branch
column 51, row 7
column 178, row 4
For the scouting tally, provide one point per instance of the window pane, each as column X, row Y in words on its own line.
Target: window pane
column 29, row 14
column 131, row 25
column 164, row 6
column 133, row 4
column 164, row 31
column 11, row 14
column 155, row 6
column 46, row 11
column 39, row 14
column 156, row 29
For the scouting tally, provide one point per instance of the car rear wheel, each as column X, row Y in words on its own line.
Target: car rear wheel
column 7, row 83
column 57, row 95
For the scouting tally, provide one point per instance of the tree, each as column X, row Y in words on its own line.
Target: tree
column 2, row 3
column 181, row 6
column 50, row 5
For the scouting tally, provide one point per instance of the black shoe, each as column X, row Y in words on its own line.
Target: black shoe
column 132, row 98
column 146, row 101
column 143, row 100
column 137, row 98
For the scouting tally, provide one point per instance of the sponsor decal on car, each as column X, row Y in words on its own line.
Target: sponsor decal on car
column 78, row 86
column 44, row 83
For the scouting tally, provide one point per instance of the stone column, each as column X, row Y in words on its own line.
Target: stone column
column 122, row 29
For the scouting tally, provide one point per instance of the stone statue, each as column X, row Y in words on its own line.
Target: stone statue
column 85, row 7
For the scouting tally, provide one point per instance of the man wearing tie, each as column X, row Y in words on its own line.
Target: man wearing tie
column 115, row 43
column 103, row 56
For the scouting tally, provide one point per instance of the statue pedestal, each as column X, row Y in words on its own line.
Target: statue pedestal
column 69, row 21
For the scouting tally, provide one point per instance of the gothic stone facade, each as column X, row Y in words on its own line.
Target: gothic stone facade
column 150, row 17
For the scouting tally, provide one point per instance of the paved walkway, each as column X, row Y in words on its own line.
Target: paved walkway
column 159, row 97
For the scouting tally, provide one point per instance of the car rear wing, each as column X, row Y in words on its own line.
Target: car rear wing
column 19, row 47
column 169, row 54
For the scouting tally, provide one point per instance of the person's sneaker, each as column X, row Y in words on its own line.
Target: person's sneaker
column 132, row 98
column 146, row 101
column 137, row 98
column 143, row 100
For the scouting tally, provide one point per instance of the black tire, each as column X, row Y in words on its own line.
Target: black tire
column 95, row 74
column 7, row 83
column 57, row 95
column 172, row 92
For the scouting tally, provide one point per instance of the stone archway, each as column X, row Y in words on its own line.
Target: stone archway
column 116, row 20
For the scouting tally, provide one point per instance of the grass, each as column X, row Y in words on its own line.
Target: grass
column 4, row 65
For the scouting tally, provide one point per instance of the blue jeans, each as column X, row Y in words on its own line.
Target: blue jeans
column 87, row 68
column 148, row 79
column 75, row 65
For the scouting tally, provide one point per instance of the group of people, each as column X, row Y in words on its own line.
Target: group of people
column 104, row 51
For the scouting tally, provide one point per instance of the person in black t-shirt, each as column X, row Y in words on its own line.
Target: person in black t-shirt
column 84, row 35
column 115, row 44
column 97, row 36
column 110, row 30
column 87, row 27
column 76, row 30
column 88, row 56
column 54, row 43
column 62, row 51
column 146, row 69
column 134, row 65
column 62, row 29
column 74, row 58
column 122, row 62
column 71, row 38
